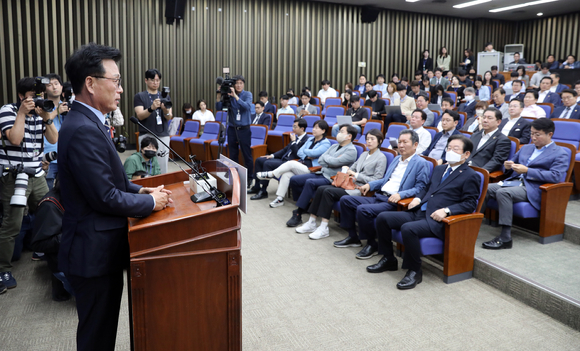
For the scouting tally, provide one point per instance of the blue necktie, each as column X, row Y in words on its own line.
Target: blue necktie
column 445, row 175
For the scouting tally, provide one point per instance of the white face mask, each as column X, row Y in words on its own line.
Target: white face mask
column 479, row 113
column 188, row 112
column 340, row 137
column 452, row 157
column 468, row 98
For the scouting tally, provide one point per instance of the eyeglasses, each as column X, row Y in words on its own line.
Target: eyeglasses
column 116, row 81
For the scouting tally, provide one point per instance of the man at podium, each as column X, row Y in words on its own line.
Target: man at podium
column 97, row 198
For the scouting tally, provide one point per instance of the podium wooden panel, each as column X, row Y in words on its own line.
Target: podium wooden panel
column 185, row 273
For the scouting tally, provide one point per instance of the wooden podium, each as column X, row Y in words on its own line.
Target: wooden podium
column 185, row 273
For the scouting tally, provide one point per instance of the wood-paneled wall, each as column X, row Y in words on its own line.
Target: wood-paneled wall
column 275, row 44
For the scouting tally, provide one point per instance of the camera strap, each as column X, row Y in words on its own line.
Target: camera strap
column 54, row 201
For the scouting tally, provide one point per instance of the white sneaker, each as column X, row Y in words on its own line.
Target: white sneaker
column 319, row 233
column 277, row 203
column 263, row 175
column 307, row 227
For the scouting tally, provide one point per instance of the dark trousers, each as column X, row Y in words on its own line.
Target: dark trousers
column 264, row 165
column 241, row 139
column 394, row 117
column 413, row 226
column 98, row 304
column 324, row 199
column 304, row 186
column 364, row 210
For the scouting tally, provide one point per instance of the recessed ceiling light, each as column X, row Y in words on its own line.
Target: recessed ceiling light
column 470, row 3
column 540, row 14
column 521, row 5
column 411, row 0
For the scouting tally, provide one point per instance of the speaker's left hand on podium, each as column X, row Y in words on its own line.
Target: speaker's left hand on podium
column 159, row 189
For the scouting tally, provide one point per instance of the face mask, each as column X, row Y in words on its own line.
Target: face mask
column 479, row 113
column 150, row 153
column 188, row 112
column 340, row 137
column 468, row 98
column 452, row 157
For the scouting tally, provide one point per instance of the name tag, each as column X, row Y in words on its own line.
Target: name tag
column 238, row 117
column 159, row 120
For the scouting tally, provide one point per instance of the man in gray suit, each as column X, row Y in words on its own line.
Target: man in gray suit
column 305, row 108
column 490, row 147
column 439, row 79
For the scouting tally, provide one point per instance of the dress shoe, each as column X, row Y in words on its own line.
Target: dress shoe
column 264, row 175
column 410, row 280
column 295, row 221
column 367, row 252
column 253, row 190
column 497, row 244
column 262, row 194
column 347, row 242
column 383, row 265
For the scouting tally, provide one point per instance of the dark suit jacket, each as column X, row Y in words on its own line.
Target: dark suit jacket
column 377, row 106
column 97, row 198
column 553, row 98
column 492, row 154
column 459, row 92
column 499, row 77
column 459, row 192
column 270, row 108
column 265, row 119
column 465, row 126
column 469, row 109
column 428, row 65
column 520, row 97
column 559, row 111
column 560, row 87
column 521, row 130
column 434, row 142
column 294, row 147
column 434, row 97
column 467, row 82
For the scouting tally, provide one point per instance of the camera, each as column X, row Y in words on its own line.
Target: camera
column 225, row 90
column 49, row 157
column 21, row 184
column 120, row 143
column 164, row 100
column 67, row 94
column 39, row 88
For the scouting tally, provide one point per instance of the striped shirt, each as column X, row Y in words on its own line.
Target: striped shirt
column 30, row 152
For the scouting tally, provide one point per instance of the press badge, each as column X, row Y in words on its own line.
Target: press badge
column 238, row 117
column 159, row 120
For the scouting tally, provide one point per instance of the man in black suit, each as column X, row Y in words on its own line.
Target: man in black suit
column 490, row 147
column 463, row 80
column 377, row 105
column 516, row 126
column 270, row 162
column 517, row 60
column 570, row 110
column 498, row 76
column 97, row 197
column 416, row 90
column 268, row 107
column 453, row 190
column 260, row 117
column 469, row 105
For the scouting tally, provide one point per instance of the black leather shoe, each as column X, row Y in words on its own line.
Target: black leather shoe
column 347, row 242
column 497, row 244
column 253, row 190
column 367, row 252
column 410, row 280
column 295, row 221
column 262, row 194
column 383, row 265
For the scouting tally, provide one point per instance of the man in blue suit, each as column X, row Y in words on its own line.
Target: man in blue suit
column 260, row 117
column 534, row 165
column 97, row 197
column 452, row 190
column 406, row 176
column 449, row 122
column 545, row 95
column 556, row 86
column 570, row 110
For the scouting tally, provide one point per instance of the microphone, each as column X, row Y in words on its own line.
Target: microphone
column 214, row 193
column 219, row 80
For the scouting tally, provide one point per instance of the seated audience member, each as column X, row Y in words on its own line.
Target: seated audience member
column 377, row 104
column 338, row 155
column 422, row 103
column 395, row 78
column 551, row 62
column 306, row 108
column 416, row 90
column 570, row 109
column 498, row 76
column 284, row 107
column 473, row 124
column 347, row 97
column 487, row 79
column 438, row 95
column 472, row 75
column 405, row 82
column 360, row 87
column 469, row 105
column 268, row 163
column 570, row 63
column 457, row 88
column 202, row 114
column 452, row 190
column 347, row 87
column 268, row 107
column 144, row 160
column 516, row 87
column 463, row 80
column 556, row 86
column 449, row 75
column 368, row 88
column 530, row 107
column 436, row 149
column 406, row 176
column 526, row 171
column 407, row 107
column 438, row 79
column 307, row 91
column 577, row 89
column 187, row 111
column 515, row 126
column 326, row 91
column 392, row 95
column 499, row 102
column 416, row 121
column 514, row 76
column 545, row 95
column 490, row 147
column 370, row 166
column 380, row 86
column 425, row 86
column 260, row 117
column 523, row 76
column 481, row 90
column 308, row 156
column 430, row 74
column 418, row 76
column 518, row 60
column 446, row 104
column 292, row 98
column 359, row 116
column 538, row 76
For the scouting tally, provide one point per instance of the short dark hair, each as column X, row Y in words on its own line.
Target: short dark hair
column 88, row 60
column 325, row 82
column 517, row 81
column 369, row 83
column 550, row 78
column 25, row 85
column 404, row 79
column 498, row 114
column 371, row 94
column 376, row 133
column 494, row 68
column 533, row 92
column 448, row 100
column 322, row 124
column 574, row 57
column 414, row 135
column 452, row 113
column 350, row 129
column 260, row 103
column 362, row 75
column 355, row 98
column 461, row 73
column 380, row 76
column 303, row 124
column 52, row 76
column 236, row 78
column 151, row 73
column 514, row 74
column 546, row 125
column 263, row 94
column 500, row 90
column 284, row 97
column 438, row 69
column 577, row 82
column 305, row 94
column 519, row 101
column 149, row 141
column 516, row 53
column 556, row 74
column 569, row 91
column 415, row 83
column 545, row 65
column 423, row 96
column 467, row 144
column 423, row 114
column 401, row 87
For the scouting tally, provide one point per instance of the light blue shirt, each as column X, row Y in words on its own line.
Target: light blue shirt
column 537, row 152
column 48, row 147
column 97, row 113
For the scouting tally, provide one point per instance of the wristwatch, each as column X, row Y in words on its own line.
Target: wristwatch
column 149, row 109
column 48, row 122
column 447, row 211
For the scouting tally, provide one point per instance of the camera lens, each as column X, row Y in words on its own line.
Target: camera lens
column 49, row 157
column 20, row 186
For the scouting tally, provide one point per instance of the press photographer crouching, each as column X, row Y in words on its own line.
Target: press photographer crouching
column 143, row 163
column 24, row 126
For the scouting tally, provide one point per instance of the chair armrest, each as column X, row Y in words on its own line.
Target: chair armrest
column 259, row 150
column 462, row 217
column 551, row 186
column 496, row 176
column 315, row 169
column 186, row 140
column 207, row 142
column 405, row 202
column 286, row 138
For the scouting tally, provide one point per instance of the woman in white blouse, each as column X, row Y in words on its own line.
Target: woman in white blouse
column 393, row 95
column 530, row 107
column 202, row 114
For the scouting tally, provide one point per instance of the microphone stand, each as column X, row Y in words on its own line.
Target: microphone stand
column 217, row 195
column 222, row 139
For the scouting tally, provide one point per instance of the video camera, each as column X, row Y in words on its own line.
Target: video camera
column 120, row 143
column 67, row 94
column 226, row 84
column 164, row 100
column 39, row 88
column 21, row 184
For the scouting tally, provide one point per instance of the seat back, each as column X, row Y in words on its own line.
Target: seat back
column 462, row 119
column 191, row 129
column 432, row 130
column 467, row 134
column 368, row 126
column 390, row 155
column 567, row 131
column 571, row 151
column 210, row 131
column 379, row 93
column 331, row 114
column 318, row 109
column 548, row 107
column 310, row 119
column 387, row 101
column 394, row 130
column 360, row 148
column 221, row 116
column 437, row 118
column 484, row 181
column 316, row 98
column 369, row 111
column 495, row 83
column 332, row 102
column 332, row 141
column 294, row 107
column 259, row 135
column 432, row 164
column 285, row 122
column 453, row 97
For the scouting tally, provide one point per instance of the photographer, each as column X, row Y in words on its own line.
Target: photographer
column 23, row 125
column 239, row 119
column 54, row 93
column 152, row 112
column 143, row 161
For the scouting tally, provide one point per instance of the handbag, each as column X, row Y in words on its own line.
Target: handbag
column 344, row 181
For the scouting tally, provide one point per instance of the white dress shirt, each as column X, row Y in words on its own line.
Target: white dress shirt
column 509, row 125
column 424, row 139
column 485, row 137
column 394, row 183
column 323, row 94
column 542, row 95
